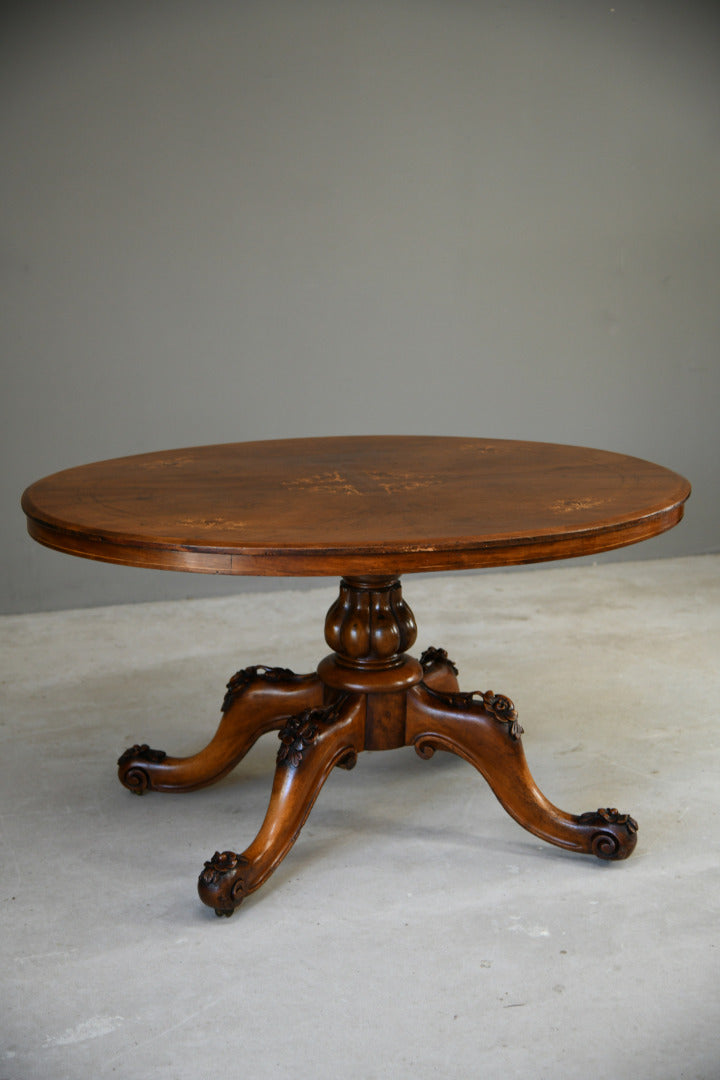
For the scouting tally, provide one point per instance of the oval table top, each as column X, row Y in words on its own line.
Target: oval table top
column 354, row 505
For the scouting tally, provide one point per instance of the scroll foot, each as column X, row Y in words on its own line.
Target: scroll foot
column 137, row 765
column 311, row 744
column 258, row 700
column 613, row 835
column 484, row 730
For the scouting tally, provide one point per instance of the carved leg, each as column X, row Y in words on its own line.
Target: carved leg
column 258, row 700
column 483, row 729
column 311, row 744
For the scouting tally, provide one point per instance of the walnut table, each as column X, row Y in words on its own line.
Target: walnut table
column 367, row 509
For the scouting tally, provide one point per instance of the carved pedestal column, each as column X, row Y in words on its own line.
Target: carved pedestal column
column 368, row 694
column 370, row 626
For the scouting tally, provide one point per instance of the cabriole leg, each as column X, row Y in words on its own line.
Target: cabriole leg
column 311, row 745
column 258, row 700
column 483, row 729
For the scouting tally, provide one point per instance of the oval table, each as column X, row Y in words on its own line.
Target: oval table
column 368, row 509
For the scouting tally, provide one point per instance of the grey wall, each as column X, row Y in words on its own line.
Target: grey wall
column 227, row 221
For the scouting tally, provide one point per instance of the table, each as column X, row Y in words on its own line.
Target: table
column 367, row 509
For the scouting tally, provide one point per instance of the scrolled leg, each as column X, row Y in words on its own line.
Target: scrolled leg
column 258, row 699
column 312, row 743
column 484, row 730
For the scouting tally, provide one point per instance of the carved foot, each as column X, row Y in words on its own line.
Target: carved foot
column 258, row 700
column 484, row 730
column 137, row 765
column 612, row 835
column 311, row 744
column 222, row 884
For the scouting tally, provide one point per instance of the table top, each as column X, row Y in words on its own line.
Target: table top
column 354, row 505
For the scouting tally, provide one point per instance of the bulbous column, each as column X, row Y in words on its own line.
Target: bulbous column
column 370, row 625
column 369, row 628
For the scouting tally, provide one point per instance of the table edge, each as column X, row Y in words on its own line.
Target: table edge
column 328, row 562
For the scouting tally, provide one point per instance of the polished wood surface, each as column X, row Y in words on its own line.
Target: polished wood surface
column 367, row 695
column 354, row 505
column 366, row 508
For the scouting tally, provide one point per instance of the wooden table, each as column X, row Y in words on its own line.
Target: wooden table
column 367, row 509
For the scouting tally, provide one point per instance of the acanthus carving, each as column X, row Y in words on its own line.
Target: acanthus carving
column 300, row 732
column 241, row 679
column 503, row 710
column 498, row 706
column 433, row 656
column 222, row 862
column 144, row 753
column 224, row 865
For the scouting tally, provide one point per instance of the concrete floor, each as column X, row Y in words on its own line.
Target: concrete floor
column 414, row 930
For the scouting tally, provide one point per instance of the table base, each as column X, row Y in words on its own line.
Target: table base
column 369, row 694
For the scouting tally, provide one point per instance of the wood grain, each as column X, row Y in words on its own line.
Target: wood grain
column 354, row 505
